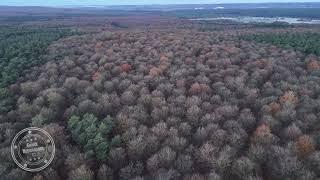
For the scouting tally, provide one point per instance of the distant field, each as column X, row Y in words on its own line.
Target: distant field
column 268, row 12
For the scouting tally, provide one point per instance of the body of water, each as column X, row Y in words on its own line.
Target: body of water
column 262, row 20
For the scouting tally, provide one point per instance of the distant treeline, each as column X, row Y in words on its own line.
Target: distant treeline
column 118, row 25
column 259, row 12
column 190, row 13
column 222, row 24
column 306, row 42
column 13, row 16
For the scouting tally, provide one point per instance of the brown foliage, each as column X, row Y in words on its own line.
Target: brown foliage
column 304, row 145
column 232, row 50
column 262, row 130
column 126, row 68
column 163, row 66
column 164, row 58
column 195, row 88
column 96, row 76
column 108, row 66
column 313, row 65
column 180, row 83
column 38, row 177
column 262, row 135
column 205, row 88
column 275, row 107
column 183, row 115
column 98, row 46
column 289, row 97
column 109, row 51
column 155, row 72
column 292, row 132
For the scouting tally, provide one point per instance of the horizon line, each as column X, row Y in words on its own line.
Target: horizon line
column 53, row 6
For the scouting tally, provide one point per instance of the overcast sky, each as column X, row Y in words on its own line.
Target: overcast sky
column 129, row 2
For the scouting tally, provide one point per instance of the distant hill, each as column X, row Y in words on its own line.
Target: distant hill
column 174, row 7
column 210, row 6
column 33, row 13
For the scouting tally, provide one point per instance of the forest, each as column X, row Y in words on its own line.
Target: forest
column 308, row 43
column 20, row 49
column 153, row 97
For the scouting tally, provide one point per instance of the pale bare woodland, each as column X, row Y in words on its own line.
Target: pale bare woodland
column 184, row 105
